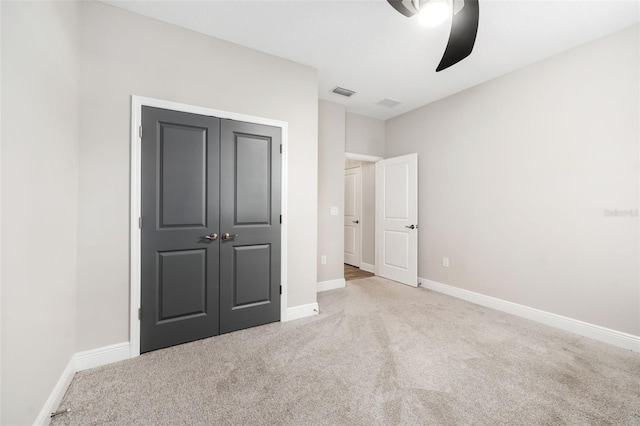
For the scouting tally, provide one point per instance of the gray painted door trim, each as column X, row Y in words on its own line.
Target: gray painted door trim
column 137, row 102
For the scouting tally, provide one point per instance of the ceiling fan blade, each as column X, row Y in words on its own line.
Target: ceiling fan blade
column 464, row 28
column 403, row 6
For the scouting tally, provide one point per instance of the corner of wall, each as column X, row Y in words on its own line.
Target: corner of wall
column 40, row 78
column 331, row 148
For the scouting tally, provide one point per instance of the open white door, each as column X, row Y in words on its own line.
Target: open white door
column 397, row 219
column 352, row 215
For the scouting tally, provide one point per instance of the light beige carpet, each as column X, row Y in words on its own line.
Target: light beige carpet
column 378, row 353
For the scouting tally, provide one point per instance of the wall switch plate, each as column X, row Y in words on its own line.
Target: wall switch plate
column 324, row 259
column 334, row 211
column 445, row 262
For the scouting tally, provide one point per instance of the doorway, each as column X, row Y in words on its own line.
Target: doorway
column 359, row 212
column 393, row 242
column 241, row 291
column 353, row 222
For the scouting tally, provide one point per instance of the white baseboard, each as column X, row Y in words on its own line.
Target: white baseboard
column 331, row 284
column 368, row 267
column 57, row 393
column 302, row 311
column 102, row 356
column 78, row 362
column 603, row 334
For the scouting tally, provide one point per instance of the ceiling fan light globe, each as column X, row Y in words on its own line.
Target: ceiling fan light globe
column 434, row 13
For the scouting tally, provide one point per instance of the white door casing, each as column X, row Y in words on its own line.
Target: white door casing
column 352, row 215
column 396, row 213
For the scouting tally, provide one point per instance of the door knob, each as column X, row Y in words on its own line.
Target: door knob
column 211, row 237
column 412, row 227
column 355, row 221
column 226, row 236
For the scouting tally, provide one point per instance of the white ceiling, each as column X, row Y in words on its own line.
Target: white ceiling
column 368, row 47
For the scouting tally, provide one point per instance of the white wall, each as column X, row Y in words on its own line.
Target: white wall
column 40, row 43
column 515, row 176
column 365, row 135
column 124, row 54
column 331, row 142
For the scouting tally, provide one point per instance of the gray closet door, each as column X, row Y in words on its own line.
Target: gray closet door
column 250, row 214
column 180, row 209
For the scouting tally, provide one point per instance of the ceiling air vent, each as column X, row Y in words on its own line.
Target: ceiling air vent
column 343, row 92
column 389, row 103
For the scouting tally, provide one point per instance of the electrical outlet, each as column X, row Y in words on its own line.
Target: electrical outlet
column 445, row 262
column 324, row 259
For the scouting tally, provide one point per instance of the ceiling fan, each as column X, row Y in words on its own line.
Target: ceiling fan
column 464, row 26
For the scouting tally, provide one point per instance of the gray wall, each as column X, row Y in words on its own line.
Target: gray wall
column 69, row 71
column 124, row 54
column 331, row 137
column 39, row 100
column 365, row 135
column 368, row 213
column 340, row 131
column 515, row 176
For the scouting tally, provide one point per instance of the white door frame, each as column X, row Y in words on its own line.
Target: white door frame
column 362, row 157
column 370, row 159
column 359, row 242
column 137, row 102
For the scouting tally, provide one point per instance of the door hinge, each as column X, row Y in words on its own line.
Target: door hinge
column 280, row 289
column 280, row 148
column 140, row 132
column 140, row 222
column 139, row 313
column 280, row 218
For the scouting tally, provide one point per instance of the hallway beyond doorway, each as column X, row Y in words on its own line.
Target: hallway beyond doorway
column 352, row 273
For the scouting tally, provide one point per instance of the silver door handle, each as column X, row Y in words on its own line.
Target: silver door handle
column 211, row 237
column 355, row 221
column 412, row 227
column 226, row 236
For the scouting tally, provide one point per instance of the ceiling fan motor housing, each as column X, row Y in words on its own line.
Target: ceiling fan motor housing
column 464, row 27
